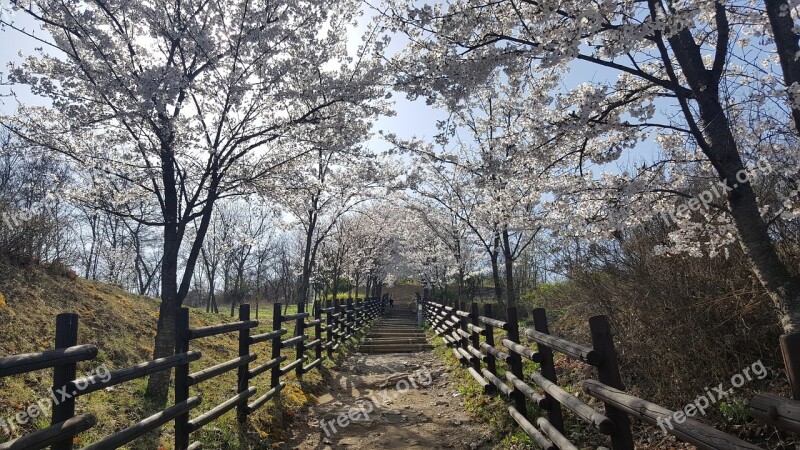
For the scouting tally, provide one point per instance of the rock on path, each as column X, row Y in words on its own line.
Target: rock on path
column 389, row 401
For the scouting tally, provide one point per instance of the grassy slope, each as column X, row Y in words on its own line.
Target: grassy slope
column 122, row 325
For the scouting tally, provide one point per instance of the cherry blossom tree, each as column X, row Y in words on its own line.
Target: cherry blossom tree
column 375, row 237
column 445, row 189
column 325, row 185
column 488, row 174
column 448, row 229
column 338, row 250
column 697, row 76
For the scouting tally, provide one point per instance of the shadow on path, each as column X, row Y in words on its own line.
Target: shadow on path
column 389, row 401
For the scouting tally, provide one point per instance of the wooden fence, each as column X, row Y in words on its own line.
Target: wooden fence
column 472, row 339
column 340, row 323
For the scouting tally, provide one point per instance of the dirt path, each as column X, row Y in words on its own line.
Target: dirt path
column 389, row 401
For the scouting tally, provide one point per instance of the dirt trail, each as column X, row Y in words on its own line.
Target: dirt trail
column 389, row 401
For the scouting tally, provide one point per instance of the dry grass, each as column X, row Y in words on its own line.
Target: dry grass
column 122, row 326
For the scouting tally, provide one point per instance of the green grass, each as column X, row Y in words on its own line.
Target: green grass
column 493, row 410
column 487, row 409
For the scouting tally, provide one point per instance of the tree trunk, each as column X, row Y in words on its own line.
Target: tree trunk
column 721, row 150
column 498, row 286
column 226, row 296
column 508, row 258
column 302, row 295
column 786, row 42
column 212, row 301
column 460, row 281
column 172, row 293
column 158, row 383
column 335, row 287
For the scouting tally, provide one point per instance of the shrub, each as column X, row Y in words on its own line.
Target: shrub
column 681, row 323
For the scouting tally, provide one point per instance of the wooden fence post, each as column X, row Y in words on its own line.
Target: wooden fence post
column 491, row 362
column 300, row 347
column 277, row 323
column 548, row 369
column 182, row 378
column 608, row 374
column 63, row 402
column 447, row 328
column 790, row 350
column 318, row 329
column 329, row 328
column 462, row 324
column 356, row 316
column 243, row 373
column 349, row 318
column 359, row 314
column 515, row 360
column 337, row 314
column 340, row 321
column 475, row 336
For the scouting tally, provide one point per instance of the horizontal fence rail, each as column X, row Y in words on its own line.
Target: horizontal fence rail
column 330, row 326
column 471, row 337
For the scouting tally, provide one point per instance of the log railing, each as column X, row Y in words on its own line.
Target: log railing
column 472, row 337
column 63, row 359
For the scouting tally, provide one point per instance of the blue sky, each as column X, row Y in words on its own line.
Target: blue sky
column 13, row 43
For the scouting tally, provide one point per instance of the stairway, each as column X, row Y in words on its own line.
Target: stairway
column 397, row 332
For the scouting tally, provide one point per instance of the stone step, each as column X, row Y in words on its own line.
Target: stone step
column 394, row 348
column 376, row 341
column 380, row 333
column 398, row 323
column 396, row 330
